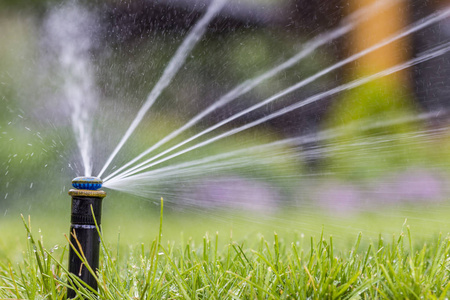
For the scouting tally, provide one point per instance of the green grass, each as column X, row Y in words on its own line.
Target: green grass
column 225, row 268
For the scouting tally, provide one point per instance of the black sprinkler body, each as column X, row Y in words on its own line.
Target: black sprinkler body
column 83, row 232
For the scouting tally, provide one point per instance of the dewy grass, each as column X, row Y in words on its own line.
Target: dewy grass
column 277, row 270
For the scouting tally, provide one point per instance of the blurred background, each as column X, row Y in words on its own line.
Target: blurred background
column 389, row 162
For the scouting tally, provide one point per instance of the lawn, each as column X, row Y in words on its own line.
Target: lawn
column 169, row 258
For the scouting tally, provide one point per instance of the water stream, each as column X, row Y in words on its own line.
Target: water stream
column 218, row 148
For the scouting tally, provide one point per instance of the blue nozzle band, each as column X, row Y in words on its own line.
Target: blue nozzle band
column 87, row 183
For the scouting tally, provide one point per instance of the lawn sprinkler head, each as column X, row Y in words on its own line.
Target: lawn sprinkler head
column 84, row 235
column 87, row 183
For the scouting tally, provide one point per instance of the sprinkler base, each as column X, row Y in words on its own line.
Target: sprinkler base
column 84, row 235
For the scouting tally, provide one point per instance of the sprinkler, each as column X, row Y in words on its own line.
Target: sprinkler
column 86, row 198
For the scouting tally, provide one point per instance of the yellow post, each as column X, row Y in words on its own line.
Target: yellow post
column 381, row 25
column 383, row 100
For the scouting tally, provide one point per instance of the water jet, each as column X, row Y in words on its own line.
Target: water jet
column 86, row 215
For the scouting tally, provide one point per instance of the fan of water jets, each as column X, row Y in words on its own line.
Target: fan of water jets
column 209, row 179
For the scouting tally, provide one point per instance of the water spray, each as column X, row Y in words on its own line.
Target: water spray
column 84, row 236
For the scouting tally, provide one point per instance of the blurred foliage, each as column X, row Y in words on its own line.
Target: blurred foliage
column 26, row 6
column 126, row 73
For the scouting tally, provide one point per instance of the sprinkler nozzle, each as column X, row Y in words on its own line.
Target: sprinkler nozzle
column 87, row 183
